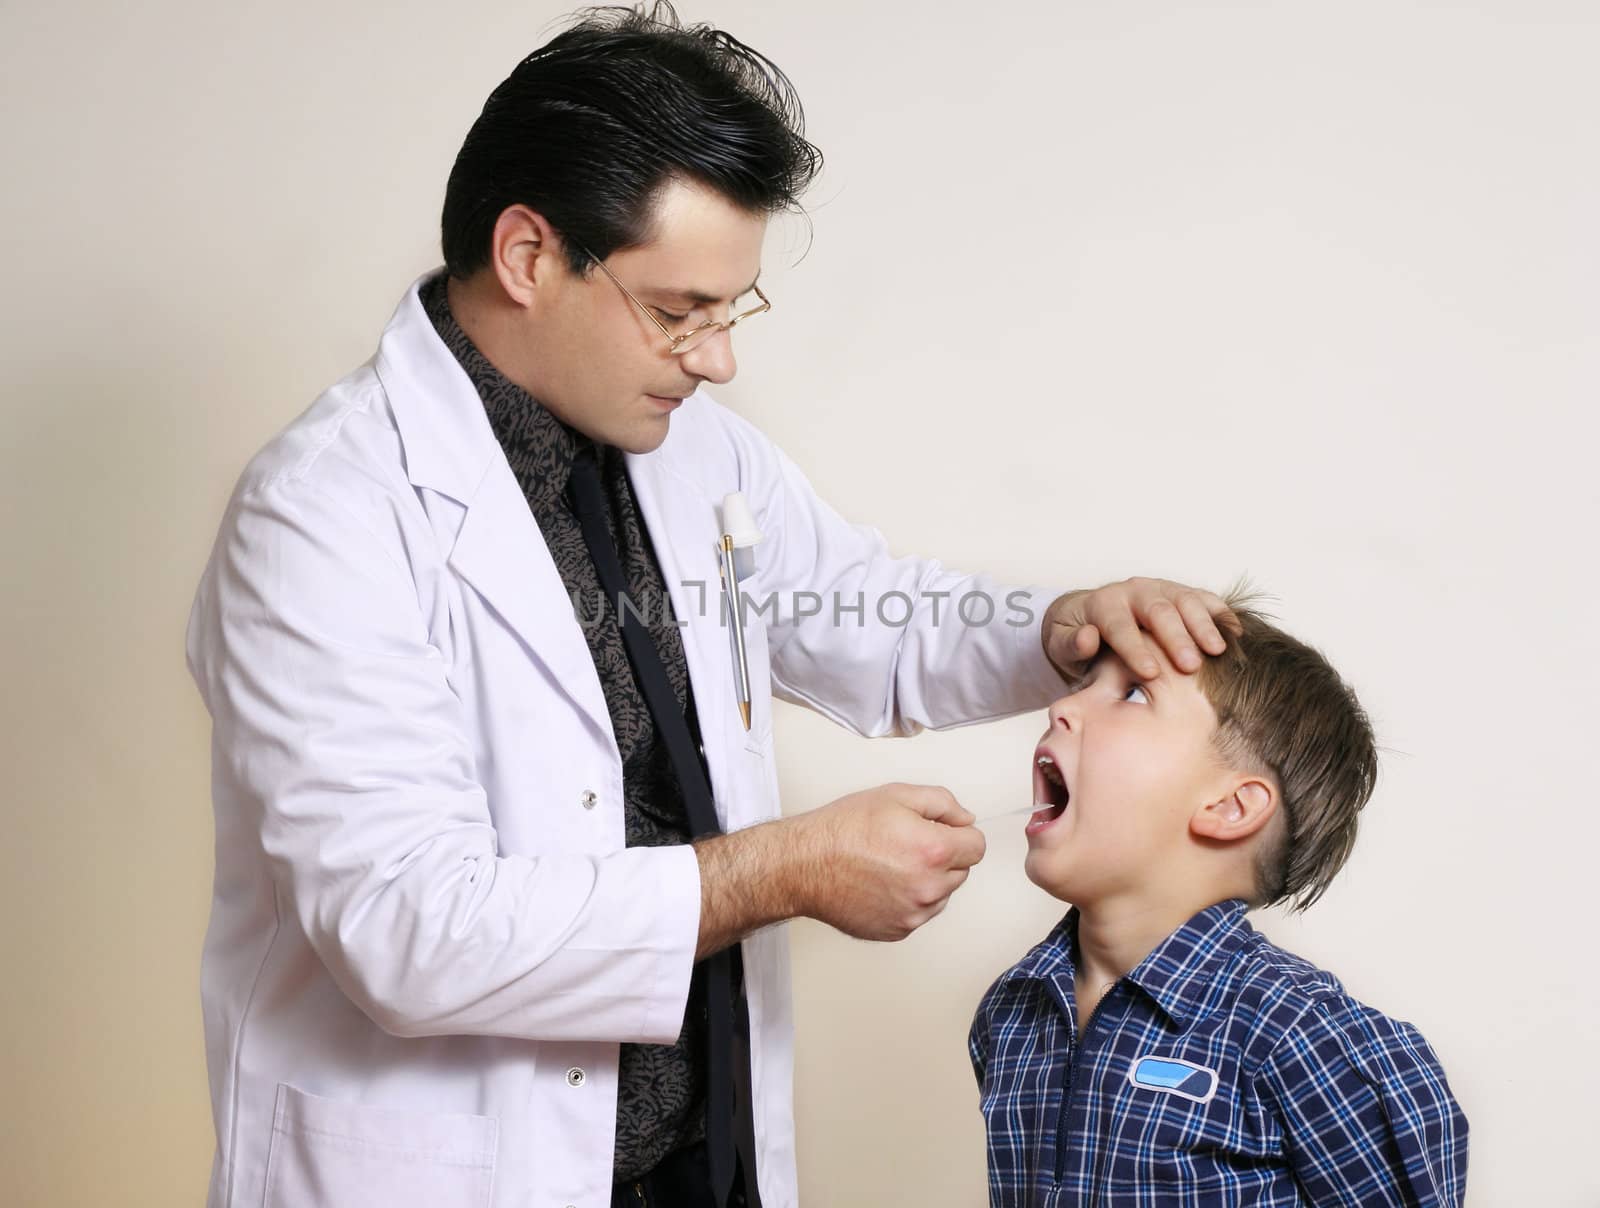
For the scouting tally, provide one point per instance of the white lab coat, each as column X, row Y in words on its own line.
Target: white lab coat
column 427, row 937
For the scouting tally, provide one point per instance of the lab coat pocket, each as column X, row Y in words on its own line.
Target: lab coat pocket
column 327, row 1154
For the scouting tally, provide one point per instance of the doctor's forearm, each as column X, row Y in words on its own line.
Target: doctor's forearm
column 876, row 864
column 749, row 879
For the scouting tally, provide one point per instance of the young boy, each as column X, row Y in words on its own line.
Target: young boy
column 1155, row 1050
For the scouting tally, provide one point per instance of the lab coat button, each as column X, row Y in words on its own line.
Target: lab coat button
column 588, row 799
column 575, row 1077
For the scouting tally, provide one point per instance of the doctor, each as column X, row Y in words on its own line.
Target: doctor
column 466, row 887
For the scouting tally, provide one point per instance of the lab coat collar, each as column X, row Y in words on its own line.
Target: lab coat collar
column 497, row 547
column 448, row 442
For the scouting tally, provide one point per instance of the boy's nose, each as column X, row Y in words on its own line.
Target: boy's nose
column 1066, row 713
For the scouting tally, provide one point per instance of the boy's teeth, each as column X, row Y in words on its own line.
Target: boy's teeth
column 1047, row 766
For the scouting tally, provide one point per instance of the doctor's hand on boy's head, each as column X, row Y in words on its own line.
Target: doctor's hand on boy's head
column 886, row 860
column 1125, row 616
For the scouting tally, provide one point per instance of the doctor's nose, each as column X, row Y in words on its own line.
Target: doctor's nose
column 712, row 361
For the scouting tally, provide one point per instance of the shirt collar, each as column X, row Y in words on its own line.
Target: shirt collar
column 1178, row 973
column 1181, row 970
column 540, row 448
column 1052, row 958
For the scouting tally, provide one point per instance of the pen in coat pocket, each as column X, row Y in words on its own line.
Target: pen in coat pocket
column 739, row 538
column 741, row 662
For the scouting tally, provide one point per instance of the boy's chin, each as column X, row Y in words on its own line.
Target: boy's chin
column 1045, row 872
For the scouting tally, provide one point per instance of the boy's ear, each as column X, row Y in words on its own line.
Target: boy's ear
column 1238, row 815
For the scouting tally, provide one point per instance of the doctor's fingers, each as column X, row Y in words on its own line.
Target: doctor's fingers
column 1209, row 618
column 1181, row 618
column 1170, row 628
column 966, row 847
column 1184, row 621
column 935, row 803
column 1070, row 647
column 934, row 904
column 1122, row 633
column 940, row 850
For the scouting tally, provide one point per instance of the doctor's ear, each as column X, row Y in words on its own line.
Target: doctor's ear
column 1240, row 813
column 523, row 250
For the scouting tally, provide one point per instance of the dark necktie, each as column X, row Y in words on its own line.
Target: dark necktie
column 589, row 504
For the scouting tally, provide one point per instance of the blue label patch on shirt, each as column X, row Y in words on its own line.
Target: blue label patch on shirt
column 1176, row 1077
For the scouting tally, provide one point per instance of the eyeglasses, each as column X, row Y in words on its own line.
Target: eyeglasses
column 689, row 340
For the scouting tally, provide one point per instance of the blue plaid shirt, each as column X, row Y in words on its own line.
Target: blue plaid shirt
column 1221, row 1071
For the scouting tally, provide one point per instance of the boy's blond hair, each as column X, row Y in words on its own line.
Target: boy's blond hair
column 1282, row 708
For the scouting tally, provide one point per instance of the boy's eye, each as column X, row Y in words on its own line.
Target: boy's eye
column 670, row 319
column 1136, row 694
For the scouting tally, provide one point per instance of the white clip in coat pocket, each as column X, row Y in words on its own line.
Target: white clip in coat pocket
column 739, row 522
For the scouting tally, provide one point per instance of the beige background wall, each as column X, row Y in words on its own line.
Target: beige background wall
column 1302, row 290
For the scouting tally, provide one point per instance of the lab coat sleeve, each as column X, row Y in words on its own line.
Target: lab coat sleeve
column 893, row 645
column 337, row 734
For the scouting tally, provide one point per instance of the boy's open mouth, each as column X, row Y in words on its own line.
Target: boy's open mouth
column 1050, row 792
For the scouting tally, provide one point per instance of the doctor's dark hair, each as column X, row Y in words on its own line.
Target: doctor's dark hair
column 1283, row 710
column 591, row 126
